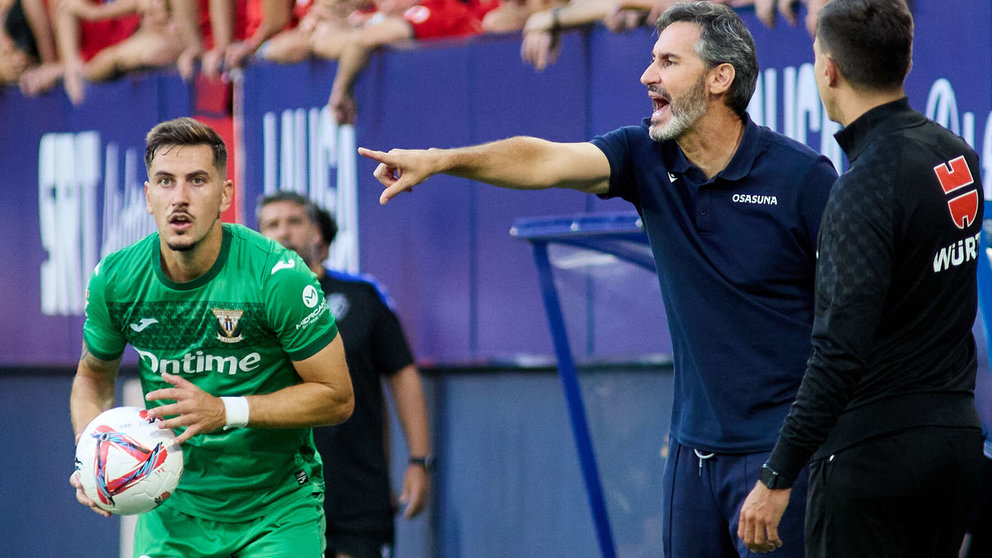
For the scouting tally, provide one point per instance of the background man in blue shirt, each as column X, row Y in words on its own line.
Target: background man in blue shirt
column 732, row 211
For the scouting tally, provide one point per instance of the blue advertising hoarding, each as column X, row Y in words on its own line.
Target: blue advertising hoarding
column 465, row 289
column 72, row 179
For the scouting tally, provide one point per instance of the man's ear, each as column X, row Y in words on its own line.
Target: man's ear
column 227, row 195
column 831, row 73
column 721, row 78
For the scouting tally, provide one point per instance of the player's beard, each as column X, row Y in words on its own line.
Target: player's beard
column 187, row 242
column 186, row 247
column 684, row 110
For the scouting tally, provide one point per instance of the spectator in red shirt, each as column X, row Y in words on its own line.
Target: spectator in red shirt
column 393, row 22
column 504, row 16
column 240, row 27
column 98, row 41
column 323, row 30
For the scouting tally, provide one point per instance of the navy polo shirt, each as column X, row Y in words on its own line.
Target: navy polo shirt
column 736, row 257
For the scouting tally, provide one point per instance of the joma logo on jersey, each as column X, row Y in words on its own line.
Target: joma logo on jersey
column 228, row 325
column 197, row 362
column 954, row 175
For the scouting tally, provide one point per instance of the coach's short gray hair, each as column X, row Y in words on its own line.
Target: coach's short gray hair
column 723, row 39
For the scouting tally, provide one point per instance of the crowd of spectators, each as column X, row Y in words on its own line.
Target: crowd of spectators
column 45, row 43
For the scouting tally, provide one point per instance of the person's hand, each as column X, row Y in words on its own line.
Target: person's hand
column 540, row 49
column 343, row 106
column 236, row 54
column 765, row 10
column 541, row 44
column 759, row 518
column 659, row 8
column 81, row 496
column 186, row 63
column 400, row 169
column 622, row 20
column 194, row 408
column 813, row 8
column 74, row 82
column 416, row 490
column 35, row 81
column 211, row 63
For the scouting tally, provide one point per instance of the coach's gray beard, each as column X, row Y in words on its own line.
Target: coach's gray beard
column 686, row 110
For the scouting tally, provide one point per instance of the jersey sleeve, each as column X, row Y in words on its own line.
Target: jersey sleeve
column 815, row 192
column 297, row 310
column 390, row 350
column 102, row 338
column 616, row 146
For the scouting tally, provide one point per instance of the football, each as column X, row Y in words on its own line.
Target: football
column 126, row 463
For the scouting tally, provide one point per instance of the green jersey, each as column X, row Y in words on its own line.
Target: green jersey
column 233, row 331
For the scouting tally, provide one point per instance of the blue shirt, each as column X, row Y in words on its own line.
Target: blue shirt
column 736, row 256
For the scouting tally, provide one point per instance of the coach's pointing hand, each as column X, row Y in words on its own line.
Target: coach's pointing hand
column 401, row 169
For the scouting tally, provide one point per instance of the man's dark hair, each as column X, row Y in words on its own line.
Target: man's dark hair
column 312, row 210
column 871, row 41
column 723, row 39
column 185, row 132
column 328, row 226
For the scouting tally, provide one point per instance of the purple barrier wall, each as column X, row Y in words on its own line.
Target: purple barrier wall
column 72, row 180
column 465, row 289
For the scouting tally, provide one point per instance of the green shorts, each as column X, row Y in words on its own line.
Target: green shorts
column 293, row 530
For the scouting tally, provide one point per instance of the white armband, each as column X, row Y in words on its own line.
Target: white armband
column 235, row 412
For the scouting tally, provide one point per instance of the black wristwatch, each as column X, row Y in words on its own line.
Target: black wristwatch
column 770, row 478
column 426, row 462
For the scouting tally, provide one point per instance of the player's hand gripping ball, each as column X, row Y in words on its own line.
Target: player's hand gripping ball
column 126, row 463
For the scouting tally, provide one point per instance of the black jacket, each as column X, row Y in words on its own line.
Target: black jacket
column 896, row 291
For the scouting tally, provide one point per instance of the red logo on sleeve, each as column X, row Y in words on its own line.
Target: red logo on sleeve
column 954, row 175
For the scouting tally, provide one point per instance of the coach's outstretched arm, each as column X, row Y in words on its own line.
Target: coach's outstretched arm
column 523, row 163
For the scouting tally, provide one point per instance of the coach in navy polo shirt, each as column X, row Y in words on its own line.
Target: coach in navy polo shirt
column 736, row 263
column 732, row 211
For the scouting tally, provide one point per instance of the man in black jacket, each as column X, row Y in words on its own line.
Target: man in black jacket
column 886, row 409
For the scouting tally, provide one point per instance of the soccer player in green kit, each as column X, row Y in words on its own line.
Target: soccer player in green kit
column 238, row 352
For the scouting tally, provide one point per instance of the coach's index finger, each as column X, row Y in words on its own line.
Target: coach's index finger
column 372, row 154
column 384, row 172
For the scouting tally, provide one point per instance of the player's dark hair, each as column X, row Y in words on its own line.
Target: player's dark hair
column 185, row 132
column 316, row 214
column 871, row 41
column 723, row 39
